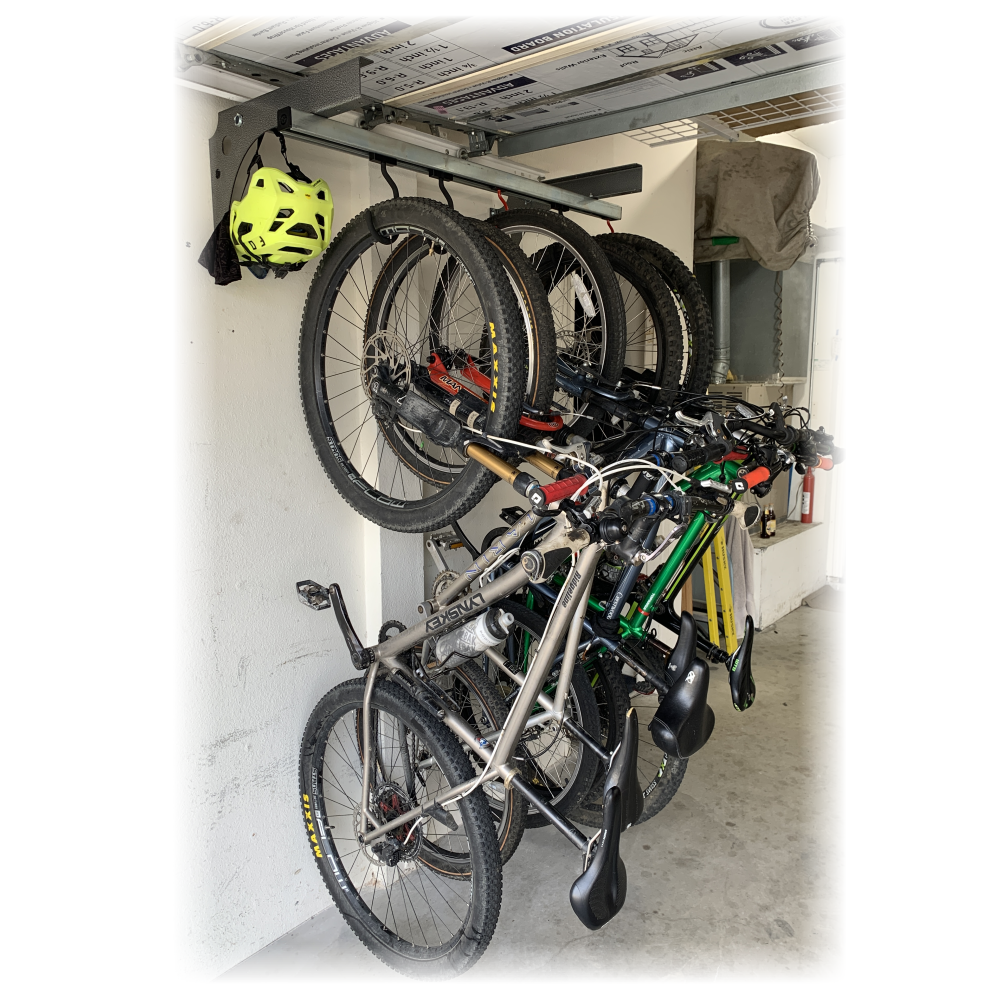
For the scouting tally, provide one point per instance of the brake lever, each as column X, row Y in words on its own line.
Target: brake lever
column 645, row 557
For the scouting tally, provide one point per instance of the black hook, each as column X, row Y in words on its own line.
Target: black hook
column 444, row 191
column 390, row 181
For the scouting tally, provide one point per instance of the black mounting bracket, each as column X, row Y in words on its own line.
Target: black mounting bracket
column 479, row 142
column 329, row 93
column 608, row 183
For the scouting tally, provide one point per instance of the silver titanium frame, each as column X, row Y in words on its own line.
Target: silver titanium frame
column 565, row 623
column 517, row 532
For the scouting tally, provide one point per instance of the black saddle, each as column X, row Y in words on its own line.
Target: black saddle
column 599, row 893
column 684, row 721
column 740, row 678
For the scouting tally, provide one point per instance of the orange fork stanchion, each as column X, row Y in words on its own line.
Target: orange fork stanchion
column 494, row 463
column 539, row 496
column 543, row 463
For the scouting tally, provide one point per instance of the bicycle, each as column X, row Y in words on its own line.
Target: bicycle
column 622, row 627
column 384, row 785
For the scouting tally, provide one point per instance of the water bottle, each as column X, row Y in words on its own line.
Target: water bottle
column 489, row 629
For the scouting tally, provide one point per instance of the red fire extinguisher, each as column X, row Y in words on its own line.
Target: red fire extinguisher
column 808, row 490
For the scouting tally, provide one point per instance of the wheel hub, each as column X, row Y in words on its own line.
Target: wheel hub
column 389, row 801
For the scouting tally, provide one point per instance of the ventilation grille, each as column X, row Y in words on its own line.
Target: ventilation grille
column 755, row 119
column 760, row 118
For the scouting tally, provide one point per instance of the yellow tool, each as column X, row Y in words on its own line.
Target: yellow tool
column 725, row 592
column 710, row 607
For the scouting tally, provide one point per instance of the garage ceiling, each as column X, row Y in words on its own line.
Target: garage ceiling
column 540, row 82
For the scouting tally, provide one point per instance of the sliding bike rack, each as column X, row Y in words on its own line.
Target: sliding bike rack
column 303, row 110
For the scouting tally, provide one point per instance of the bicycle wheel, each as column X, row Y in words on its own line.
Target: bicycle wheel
column 368, row 319
column 692, row 307
column 560, row 768
column 583, row 294
column 654, row 344
column 659, row 775
column 536, row 314
column 425, row 899
column 481, row 705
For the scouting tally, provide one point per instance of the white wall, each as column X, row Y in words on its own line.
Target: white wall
column 662, row 211
column 263, row 515
column 828, row 209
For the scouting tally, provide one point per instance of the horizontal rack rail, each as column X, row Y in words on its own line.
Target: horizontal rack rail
column 361, row 142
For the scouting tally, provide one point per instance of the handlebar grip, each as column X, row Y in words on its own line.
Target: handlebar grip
column 825, row 464
column 562, row 488
column 756, row 476
column 689, row 458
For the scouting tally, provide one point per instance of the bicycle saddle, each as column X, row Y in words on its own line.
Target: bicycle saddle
column 684, row 721
column 623, row 773
column 740, row 678
column 599, row 893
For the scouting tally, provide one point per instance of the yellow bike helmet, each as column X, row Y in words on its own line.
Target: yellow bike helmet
column 281, row 221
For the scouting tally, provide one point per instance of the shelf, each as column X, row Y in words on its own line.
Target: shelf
column 785, row 530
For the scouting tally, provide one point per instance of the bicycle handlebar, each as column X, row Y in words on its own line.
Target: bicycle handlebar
column 756, row 476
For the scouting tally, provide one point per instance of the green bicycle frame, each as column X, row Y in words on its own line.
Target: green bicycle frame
column 682, row 560
column 679, row 564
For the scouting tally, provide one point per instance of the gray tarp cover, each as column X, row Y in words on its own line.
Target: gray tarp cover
column 759, row 192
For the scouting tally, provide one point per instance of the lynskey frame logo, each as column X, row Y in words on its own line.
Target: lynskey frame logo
column 454, row 613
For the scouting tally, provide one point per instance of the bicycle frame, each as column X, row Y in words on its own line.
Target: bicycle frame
column 564, row 628
column 565, row 623
column 682, row 560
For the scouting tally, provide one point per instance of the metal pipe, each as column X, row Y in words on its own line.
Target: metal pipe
column 494, row 463
column 457, row 792
column 720, row 320
column 556, row 818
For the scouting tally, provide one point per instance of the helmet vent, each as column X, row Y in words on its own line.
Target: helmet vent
column 301, row 250
column 321, row 195
column 245, row 227
column 274, row 226
column 284, row 187
column 260, row 183
column 284, row 213
column 302, row 229
column 319, row 219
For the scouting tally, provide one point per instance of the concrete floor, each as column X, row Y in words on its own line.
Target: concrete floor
column 737, row 876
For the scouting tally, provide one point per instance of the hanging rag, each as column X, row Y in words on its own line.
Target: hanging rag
column 758, row 192
column 219, row 258
column 739, row 545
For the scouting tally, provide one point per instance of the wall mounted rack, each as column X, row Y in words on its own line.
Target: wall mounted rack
column 303, row 110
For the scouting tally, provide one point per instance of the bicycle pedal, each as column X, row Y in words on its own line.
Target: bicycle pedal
column 599, row 893
column 314, row 595
column 623, row 773
column 741, row 683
